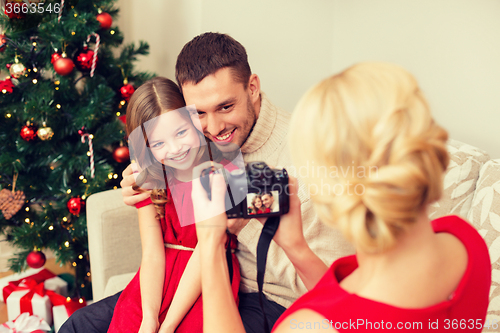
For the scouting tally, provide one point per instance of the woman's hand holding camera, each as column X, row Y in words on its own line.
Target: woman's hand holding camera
column 210, row 215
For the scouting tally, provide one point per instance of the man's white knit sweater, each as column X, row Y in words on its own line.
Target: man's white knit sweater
column 268, row 142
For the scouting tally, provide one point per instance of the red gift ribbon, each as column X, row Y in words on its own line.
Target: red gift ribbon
column 34, row 288
column 35, row 283
column 39, row 277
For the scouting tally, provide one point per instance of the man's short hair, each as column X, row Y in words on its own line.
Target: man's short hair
column 268, row 193
column 206, row 54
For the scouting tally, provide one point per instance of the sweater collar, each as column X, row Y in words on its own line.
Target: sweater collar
column 263, row 127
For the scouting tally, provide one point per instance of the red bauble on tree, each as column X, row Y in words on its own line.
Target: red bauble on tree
column 105, row 20
column 28, row 132
column 3, row 42
column 75, row 205
column 6, row 86
column 14, row 10
column 35, row 259
column 63, row 65
column 83, row 59
column 54, row 57
column 126, row 91
column 121, row 154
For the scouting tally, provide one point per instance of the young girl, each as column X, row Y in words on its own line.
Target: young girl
column 256, row 205
column 164, row 296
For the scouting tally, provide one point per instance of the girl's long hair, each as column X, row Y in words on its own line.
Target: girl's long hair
column 149, row 101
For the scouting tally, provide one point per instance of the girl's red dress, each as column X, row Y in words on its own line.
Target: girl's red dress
column 464, row 311
column 127, row 316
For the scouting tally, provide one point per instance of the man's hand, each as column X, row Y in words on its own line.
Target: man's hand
column 130, row 196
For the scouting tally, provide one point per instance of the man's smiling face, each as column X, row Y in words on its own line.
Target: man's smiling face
column 226, row 109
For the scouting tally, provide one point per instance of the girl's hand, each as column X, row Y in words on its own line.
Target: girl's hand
column 210, row 215
column 130, row 196
column 166, row 328
column 290, row 235
column 149, row 325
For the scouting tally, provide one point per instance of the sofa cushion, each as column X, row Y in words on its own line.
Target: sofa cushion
column 485, row 216
column 117, row 283
column 459, row 180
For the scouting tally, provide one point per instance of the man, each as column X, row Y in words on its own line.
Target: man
column 268, row 202
column 214, row 75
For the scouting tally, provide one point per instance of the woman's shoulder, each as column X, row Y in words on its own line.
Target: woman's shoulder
column 463, row 230
column 307, row 320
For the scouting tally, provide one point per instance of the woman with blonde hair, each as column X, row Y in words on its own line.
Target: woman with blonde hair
column 373, row 123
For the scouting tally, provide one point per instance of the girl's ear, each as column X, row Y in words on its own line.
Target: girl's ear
column 195, row 119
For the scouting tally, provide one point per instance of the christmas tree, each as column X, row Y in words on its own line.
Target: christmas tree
column 62, row 109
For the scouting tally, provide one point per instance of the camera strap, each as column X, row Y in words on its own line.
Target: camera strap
column 268, row 232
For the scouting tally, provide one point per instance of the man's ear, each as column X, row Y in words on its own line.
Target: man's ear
column 254, row 88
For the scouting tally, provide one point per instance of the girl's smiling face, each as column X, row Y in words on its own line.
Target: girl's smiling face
column 258, row 203
column 174, row 141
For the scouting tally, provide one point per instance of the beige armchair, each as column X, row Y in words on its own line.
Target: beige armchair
column 471, row 190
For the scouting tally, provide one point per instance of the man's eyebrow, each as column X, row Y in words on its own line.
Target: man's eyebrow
column 231, row 100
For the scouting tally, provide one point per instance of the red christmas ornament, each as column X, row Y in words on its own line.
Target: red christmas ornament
column 121, row 154
column 28, row 132
column 6, row 85
column 3, row 42
column 75, row 205
column 8, row 66
column 14, row 9
column 105, row 20
column 83, row 59
column 127, row 90
column 123, row 119
column 54, row 57
column 63, row 65
column 35, row 259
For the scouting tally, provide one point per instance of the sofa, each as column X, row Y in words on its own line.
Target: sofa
column 471, row 190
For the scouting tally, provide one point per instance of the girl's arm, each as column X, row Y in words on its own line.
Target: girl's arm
column 187, row 293
column 152, row 274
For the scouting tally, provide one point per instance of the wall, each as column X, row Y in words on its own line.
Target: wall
column 452, row 47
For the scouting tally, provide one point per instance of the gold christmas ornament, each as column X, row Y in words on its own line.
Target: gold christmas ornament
column 45, row 133
column 17, row 69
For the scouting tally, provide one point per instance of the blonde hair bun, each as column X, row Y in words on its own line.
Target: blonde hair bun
column 371, row 127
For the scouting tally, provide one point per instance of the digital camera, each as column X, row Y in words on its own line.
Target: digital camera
column 257, row 191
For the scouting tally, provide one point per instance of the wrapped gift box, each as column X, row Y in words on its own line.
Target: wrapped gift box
column 62, row 312
column 28, row 298
column 25, row 324
column 51, row 282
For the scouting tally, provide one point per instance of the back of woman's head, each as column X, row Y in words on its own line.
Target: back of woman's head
column 374, row 154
